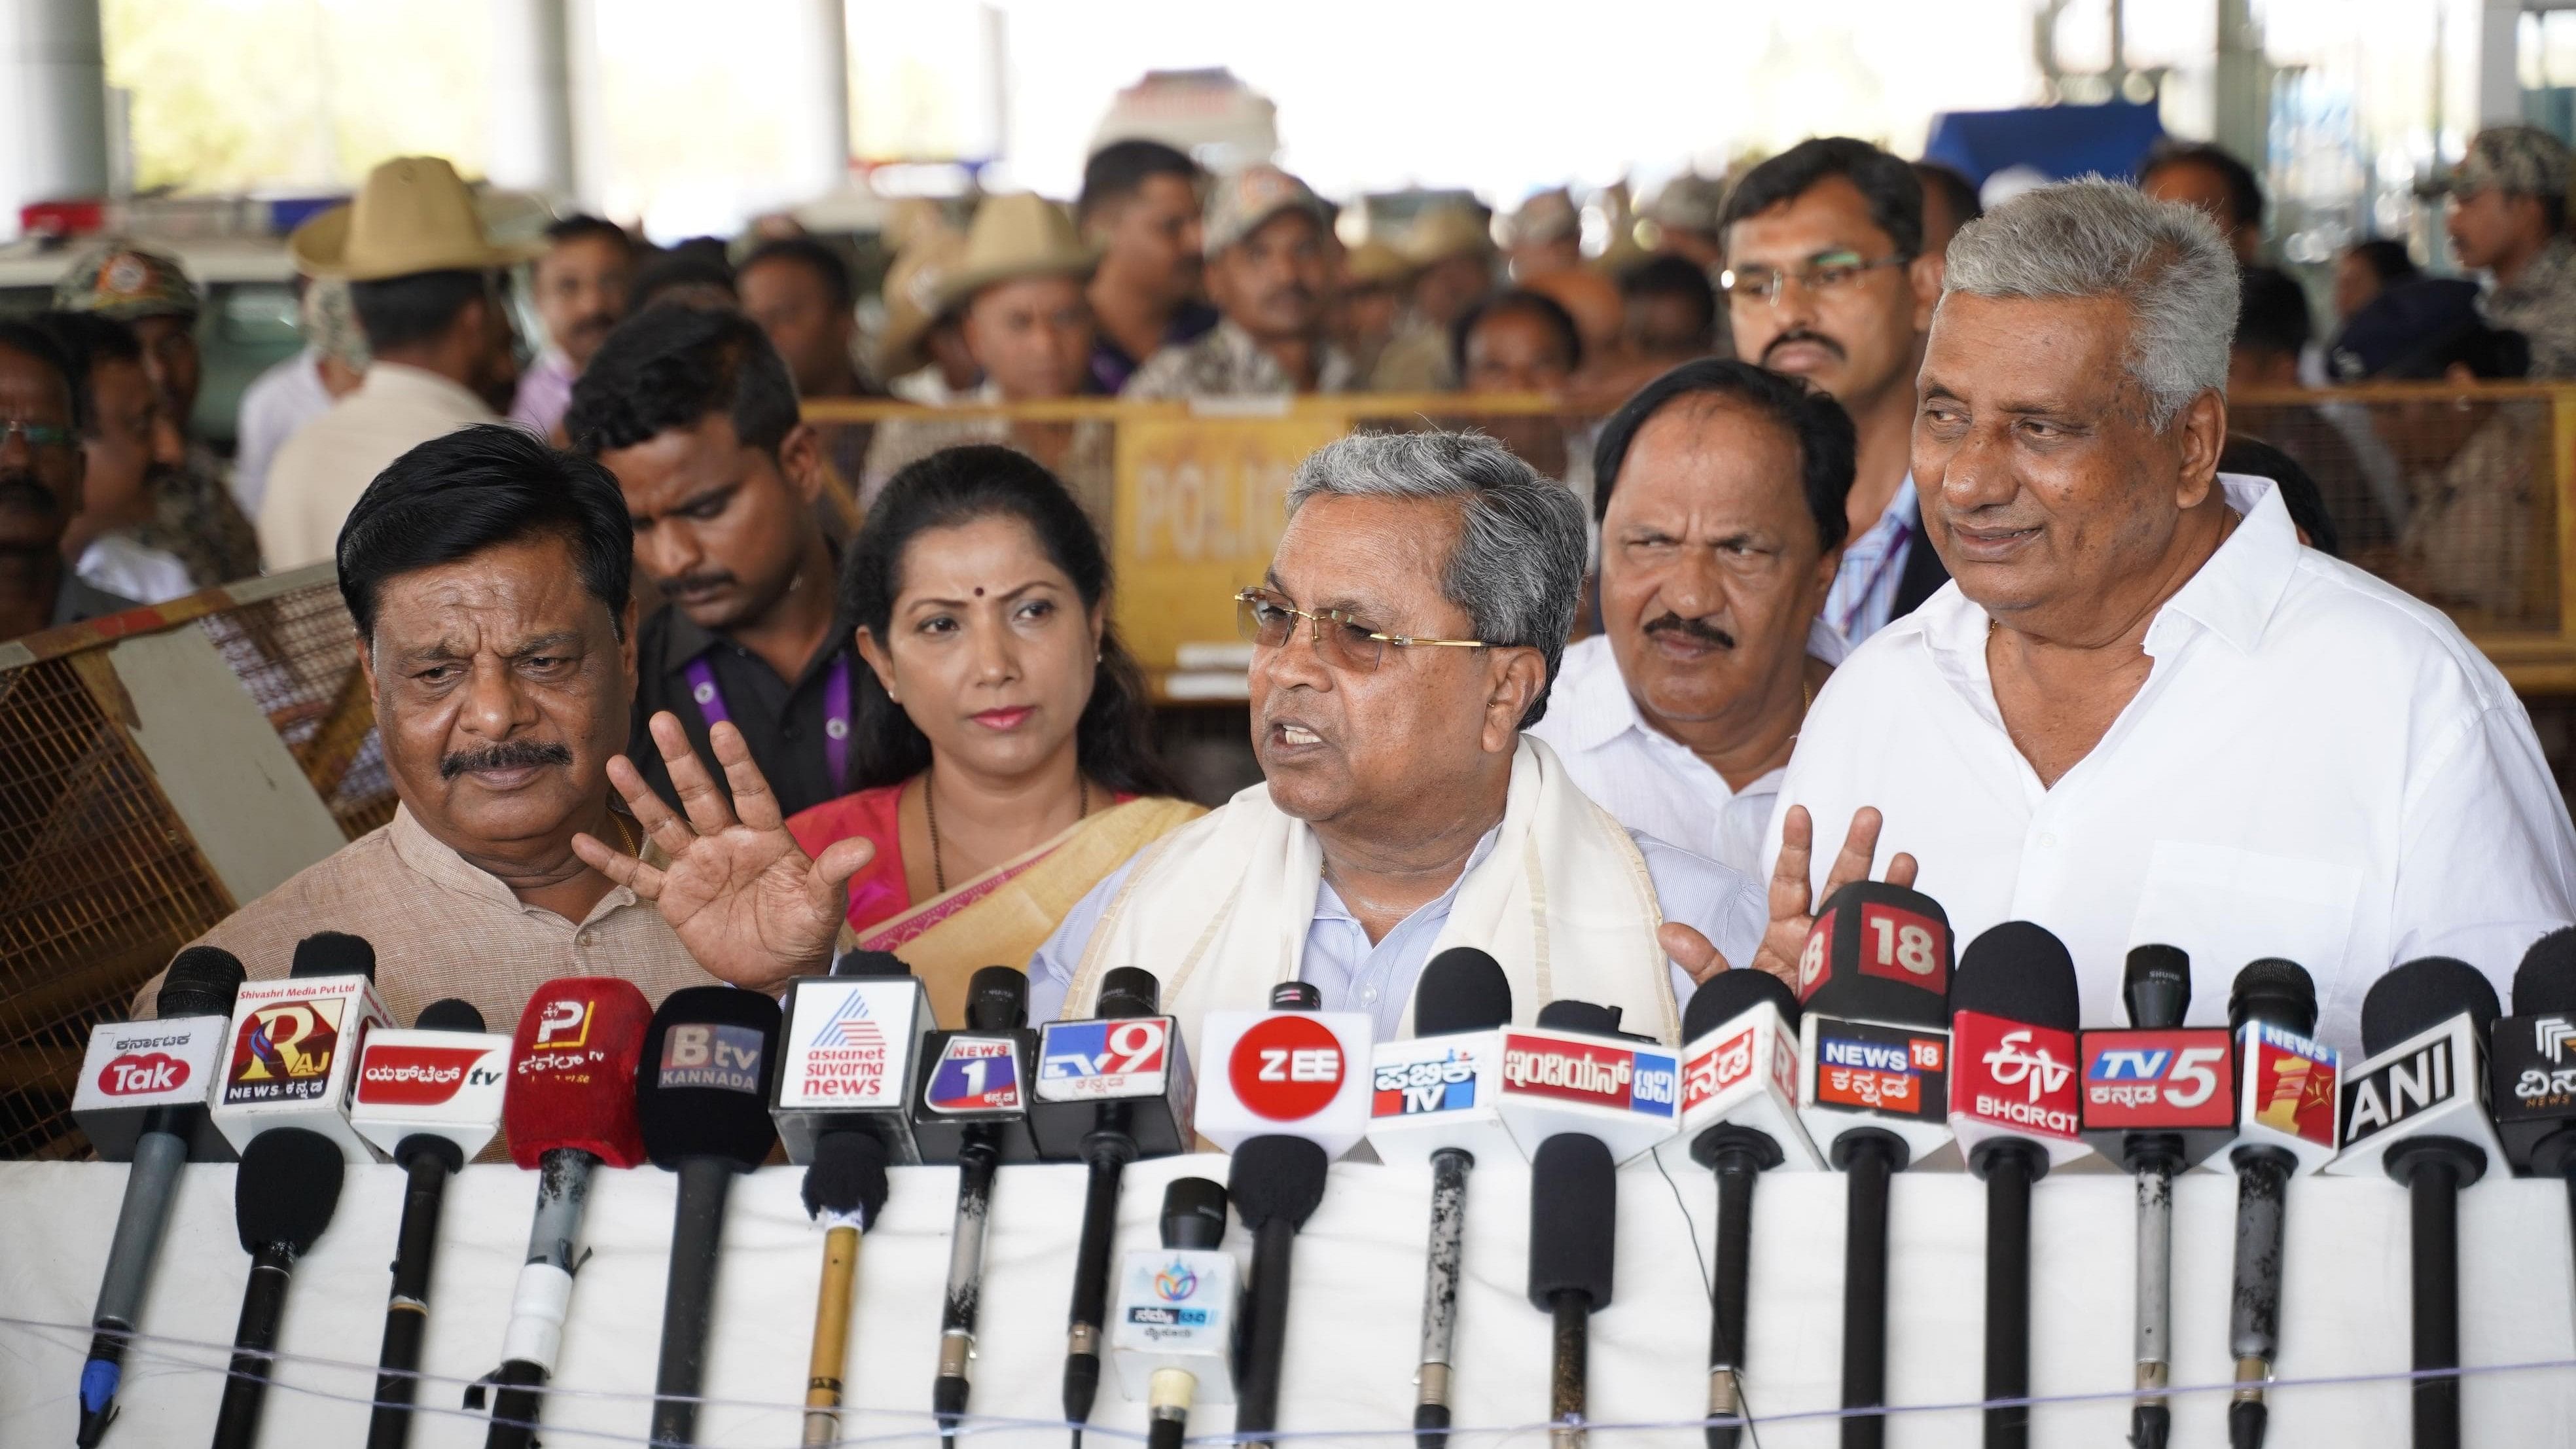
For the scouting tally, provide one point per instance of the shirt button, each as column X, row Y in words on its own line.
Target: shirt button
column 787, row 732
column 1369, row 995
column 584, row 939
column 2047, row 840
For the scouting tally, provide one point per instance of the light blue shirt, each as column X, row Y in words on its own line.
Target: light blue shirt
column 1721, row 904
column 1863, row 595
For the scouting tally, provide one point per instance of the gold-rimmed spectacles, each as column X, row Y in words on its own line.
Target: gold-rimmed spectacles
column 1341, row 641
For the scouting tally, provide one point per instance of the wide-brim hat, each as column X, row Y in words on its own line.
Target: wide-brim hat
column 1452, row 229
column 1014, row 236
column 912, row 290
column 413, row 215
column 1375, row 264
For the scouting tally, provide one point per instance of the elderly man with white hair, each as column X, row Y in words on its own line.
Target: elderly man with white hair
column 2142, row 711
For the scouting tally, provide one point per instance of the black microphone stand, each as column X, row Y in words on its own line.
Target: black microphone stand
column 2434, row 1170
column 1738, row 1156
column 429, row 1160
column 1868, row 1157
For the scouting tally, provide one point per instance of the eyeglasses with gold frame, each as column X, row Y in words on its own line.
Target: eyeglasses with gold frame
column 1342, row 641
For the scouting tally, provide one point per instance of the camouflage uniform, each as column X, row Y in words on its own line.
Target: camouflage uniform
column 1227, row 360
column 2540, row 302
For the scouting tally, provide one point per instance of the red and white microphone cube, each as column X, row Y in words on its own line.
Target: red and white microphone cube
column 1626, row 1093
column 135, row 1066
column 1285, row 1074
column 2289, row 1096
column 447, row 1083
column 1429, row 1093
column 1746, row 1073
column 293, row 1058
column 2014, row 1079
column 849, row 1048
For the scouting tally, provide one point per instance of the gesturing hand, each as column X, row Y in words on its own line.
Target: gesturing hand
column 751, row 906
column 1793, row 900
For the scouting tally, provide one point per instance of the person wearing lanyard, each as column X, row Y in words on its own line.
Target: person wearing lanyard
column 695, row 414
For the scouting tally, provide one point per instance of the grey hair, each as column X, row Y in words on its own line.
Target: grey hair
column 1518, row 567
column 2096, row 238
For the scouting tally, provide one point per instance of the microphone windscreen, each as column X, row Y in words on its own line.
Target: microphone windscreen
column 1277, row 1177
column 2276, row 991
column 997, row 999
column 702, row 1085
column 870, row 963
column 448, row 1014
column 847, row 1175
column 2020, row 971
column 1193, row 1212
column 2155, row 985
column 202, row 981
column 334, row 953
column 1574, row 1217
column 1729, row 994
column 2544, row 983
column 1583, row 1016
column 1462, row 989
column 286, row 1189
column 1129, row 991
column 1878, row 952
column 2422, row 994
column 572, row 1071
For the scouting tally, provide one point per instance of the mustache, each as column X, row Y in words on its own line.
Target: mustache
column 698, row 583
column 507, row 755
column 21, row 490
column 1297, row 292
column 599, row 322
column 1693, row 629
column 1802, row 334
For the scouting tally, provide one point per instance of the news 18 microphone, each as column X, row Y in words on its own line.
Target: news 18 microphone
column 2285, row 1125
column 296, row 1044
column 2533, row 1065
column 142, row 1099
column 2158, row 1098
column 2416, row 1109
column 972, row 1109
column 1109, row 1090
column 430, row 1096
column 286, row 1190
column 1172, row 1329
column 1874, row 979
column 1433, row 1101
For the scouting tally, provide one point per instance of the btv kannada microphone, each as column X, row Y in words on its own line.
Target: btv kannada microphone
column 2534, row 1065
column 973, row 1110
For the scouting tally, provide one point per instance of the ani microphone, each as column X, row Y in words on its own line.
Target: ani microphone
column 972, row 1110
column 283, row 1198
column 2533, row 1065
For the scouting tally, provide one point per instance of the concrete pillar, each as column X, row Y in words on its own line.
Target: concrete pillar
column 532, row 127
column 815, row 97
column 2499, row 75
column 2241, row 113
column 53, row 104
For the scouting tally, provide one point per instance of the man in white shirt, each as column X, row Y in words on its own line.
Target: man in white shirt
column 1722, row 527
column 2145, row 712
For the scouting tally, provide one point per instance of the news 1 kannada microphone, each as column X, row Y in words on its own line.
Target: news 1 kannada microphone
column 1285, row 1094
column 2415, row 1108
column 286, row 1190
column 1110, row 1089
column 431, row 1097
column 2159, row 1097
column 2533, row 1065
column 2014, row 1108
column 1172, row 1327
column 568, row 1108
column 2286, row 1118
column 293, row 1058
column 142, row 1099
column 1433, row 1101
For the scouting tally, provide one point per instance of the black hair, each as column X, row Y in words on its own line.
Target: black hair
column 1120, row 169
column 1529, row 304
column 671, row 271
column 2489, row 353
column 88, row 339
column 1957, row 192
column 2387, row 260
column 1887, row 183
column 1665, row 275
column 957, row 486
column 812, row 255
column 582, row 224
column 476, row 488
column 25, row 337
column 2272, row 312
column 2553, row 211
column 1828, row 447
column 670, row 367
column 2299, row 491
column 400, row 311
column 2244, row 192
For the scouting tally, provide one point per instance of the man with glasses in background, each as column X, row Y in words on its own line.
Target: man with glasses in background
column 41, row 465
column 1826, row 279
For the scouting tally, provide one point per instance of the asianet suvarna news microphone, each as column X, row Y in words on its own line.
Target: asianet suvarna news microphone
column 2533, row 1065
column 1172, row 1325
column 1433, row 1101
column 2159, row 1098
column 1285, row 1093
column 1110, row 1089
column 844, row 1110
column 2014, row 1008
column 431, row 1098
column 1739, row 1120
column 1874, row 1043
column 142, row 1097
column 569, row 1107
column 2286, row 1117
column 2415, row 1108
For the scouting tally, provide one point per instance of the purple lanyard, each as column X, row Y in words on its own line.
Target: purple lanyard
column 836, row 710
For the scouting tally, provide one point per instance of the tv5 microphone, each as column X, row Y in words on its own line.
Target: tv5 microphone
column 2533, row 1064
column 284, row 1195
column 973, row 1110
column 142, row 1099
column 1172, row 1329
column 296, row 1044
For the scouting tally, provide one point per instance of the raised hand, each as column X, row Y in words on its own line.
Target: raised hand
column 751, row 906
column 1793, row 900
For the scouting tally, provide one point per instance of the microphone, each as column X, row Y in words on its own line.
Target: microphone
column 569, row 1107
column 1109, row 1090
column 2416, row 1109
column 295, row 1045
column 432, row 1097
column 142, row 1099
column 2533, row 1064
column 2158, row 1098
column 283, row 1198
column 1574, row 1216
column 2285, row 1125
column 1740, row 1116
column 1277, row 1182
column 845, row 1188
column 1873, row 1092
column 972, row 1112
column 2014, row 1109
column 1172, row 1331
column 1432, row 1101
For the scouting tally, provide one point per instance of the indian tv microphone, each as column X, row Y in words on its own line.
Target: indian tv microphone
column 2286, row 1118
column 1432, row 1102
column 1109, row 1090
column 1740, row 1120
column 1172, row 1328
column 142, row 1099
column 296, row 1042
column 283, row 1198
column 2415, row 1108
column 2532, row 1065
column 2014, row 1009
column 431, row 1097
column 973, row 1110
column 1874, row 1050
column 2159, row 1097
column 568, row 1108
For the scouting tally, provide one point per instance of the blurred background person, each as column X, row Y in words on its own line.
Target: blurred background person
column 1140, row 209
column 922, row 353
column 2273, row 330
column 1545, row 235
column 2367, row 268
column 2306, row 503
column 1600, row 318
column 2508, row 218
column 41, row 463
column 2199, row 174
column 686, row 277
column 579, row 284
column 2271, row 351
column 295, row 391
column 1685, row 212
column 110, row 542
column 1668, row 312
column 1450, row 246
column 1523, row 342
column 1368, row 302
column 1949, row 203
column 799, row 291
column 1270, row 266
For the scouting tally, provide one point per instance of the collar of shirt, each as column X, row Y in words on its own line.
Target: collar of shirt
column 1355, row 974
column 401, row 383
column 437, row 862
column 2550, row 275
column 1598, row 707
column 687, row 641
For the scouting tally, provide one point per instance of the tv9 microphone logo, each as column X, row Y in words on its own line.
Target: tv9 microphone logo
column 1286, row 1067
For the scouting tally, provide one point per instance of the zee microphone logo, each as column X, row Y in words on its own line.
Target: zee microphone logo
column 1286, row 1066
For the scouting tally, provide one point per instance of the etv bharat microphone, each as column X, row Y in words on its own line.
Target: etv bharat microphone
column 142, row 1099
column 2533, row 1065
column 972, row 1109
column 1172, row 1326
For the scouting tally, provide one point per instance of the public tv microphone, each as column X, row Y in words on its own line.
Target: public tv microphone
column 845, row 1188
column 142, row 1099
column 2416, row 1109
column 432, row 1097
column 2014, row 1008
column 569, row 1106
column 1276, row 1182
column 2285, row 1124
column 283, row 1198
column 973, row 1110
column 2533, row 1065
column 293, row 1057
column 1172, row 1329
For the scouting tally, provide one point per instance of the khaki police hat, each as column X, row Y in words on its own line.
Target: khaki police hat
column 1450, row 229
column 912, row 290
column 1241, row 201
column 121, row 280
column 2516, row 160
column 1014, row 236
column 413, row 215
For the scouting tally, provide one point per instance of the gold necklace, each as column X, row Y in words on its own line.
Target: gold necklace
column 930, row 814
